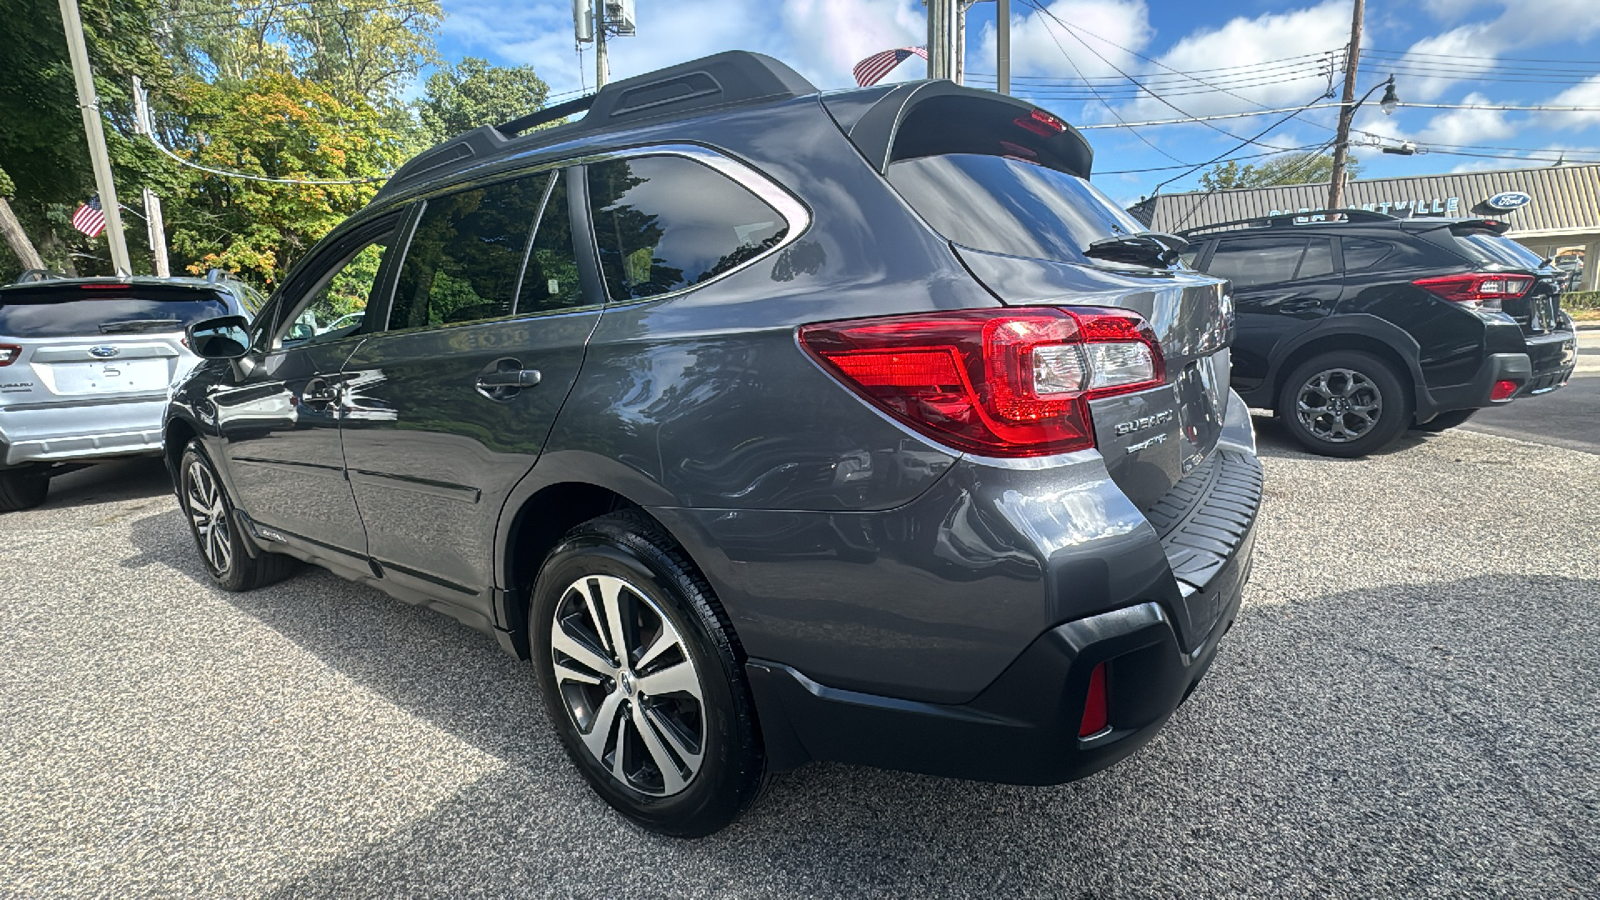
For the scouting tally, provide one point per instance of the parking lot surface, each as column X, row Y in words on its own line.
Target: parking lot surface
column 1406, row 708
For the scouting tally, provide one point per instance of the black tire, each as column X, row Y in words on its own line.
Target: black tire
column 205, row 504
column 1358, row 426
column 623, row 561
column 1445, row 421
column 23, row 489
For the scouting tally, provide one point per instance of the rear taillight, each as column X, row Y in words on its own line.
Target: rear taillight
column 1000, row 382
column 1483, row 290
column 9, row 354
column 1095, row 716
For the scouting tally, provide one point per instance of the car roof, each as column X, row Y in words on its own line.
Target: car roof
column 34, row 280
column 1341, row 220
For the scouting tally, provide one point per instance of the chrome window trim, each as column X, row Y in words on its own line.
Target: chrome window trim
column 794, row 213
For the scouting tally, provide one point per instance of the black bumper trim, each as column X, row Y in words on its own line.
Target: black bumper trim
column 1023, row 728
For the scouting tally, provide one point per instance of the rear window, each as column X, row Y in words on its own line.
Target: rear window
column 79, row 311
column 1004, row 205
column 1487, row 247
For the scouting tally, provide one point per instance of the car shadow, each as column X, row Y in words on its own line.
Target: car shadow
column 125, row 479
column 1274, row 441
column 1308, row 728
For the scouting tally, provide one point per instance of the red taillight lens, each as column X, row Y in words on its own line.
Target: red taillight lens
column 1041, row 123
column 1095, row 718
column 1503, row 390
column 93, row 286
column 1002, row 382
column 9, row 354
column 1481, row 289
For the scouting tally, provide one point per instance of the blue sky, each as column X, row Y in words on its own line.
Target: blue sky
column 1243, row 55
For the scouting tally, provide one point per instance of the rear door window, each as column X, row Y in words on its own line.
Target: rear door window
column 76, row 310
column 1318, row 259
column 664, row 223
column 466, row 256
column 550, row 283
column 999, row 204
column 1256, row 261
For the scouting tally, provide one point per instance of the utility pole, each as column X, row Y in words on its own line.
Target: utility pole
column 1002, row 46
column 602, row 66
column 153, row 222
column 1347, row 108
column 942, row 28
column 93, row 130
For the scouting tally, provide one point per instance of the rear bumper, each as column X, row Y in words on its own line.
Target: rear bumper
column 1551, row 360
column 1022, row 729
column 53, row 434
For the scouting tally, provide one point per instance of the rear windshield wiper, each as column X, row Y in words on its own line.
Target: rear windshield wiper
column 140, row 326
column 1147, row 248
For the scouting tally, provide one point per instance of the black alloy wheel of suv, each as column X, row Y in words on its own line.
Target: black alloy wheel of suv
column 1354, row 326
column 770, row 426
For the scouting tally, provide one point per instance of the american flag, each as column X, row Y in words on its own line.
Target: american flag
column 872, row 69
column 88, row 219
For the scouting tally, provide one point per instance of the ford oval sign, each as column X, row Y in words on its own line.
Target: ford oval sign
column 103, row 352
column 1508, row 200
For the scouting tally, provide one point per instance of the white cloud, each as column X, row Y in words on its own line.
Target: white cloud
column 1585, row 94
column 1043, row 46
column 1463, row 127
column 830, row 36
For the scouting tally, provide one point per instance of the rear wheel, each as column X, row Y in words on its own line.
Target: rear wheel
column 641, row 678
column 205, row 503
column 1445, row 421
column 23, row 489
column 1345, row 403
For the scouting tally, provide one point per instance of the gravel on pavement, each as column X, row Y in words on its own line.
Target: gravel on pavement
column 1406, row 708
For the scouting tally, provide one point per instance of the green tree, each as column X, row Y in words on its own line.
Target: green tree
column 1289, row 168
column 462, row 97
column 359, row 50
column 278, row 127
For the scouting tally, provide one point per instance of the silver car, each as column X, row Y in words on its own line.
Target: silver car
column 84, row 368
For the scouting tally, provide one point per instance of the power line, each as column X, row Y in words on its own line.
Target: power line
column 1249, row 140
column 1300, row 149
column 225, row 173
column 1192, row 120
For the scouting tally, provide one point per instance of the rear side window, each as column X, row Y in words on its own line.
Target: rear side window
column 466, row 255
column 663, row 223
column 1360, row 253
column 1257, row 261
column 85, row 311
column 1004, row 205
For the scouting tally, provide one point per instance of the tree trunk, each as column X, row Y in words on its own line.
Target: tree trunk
column 17, row 238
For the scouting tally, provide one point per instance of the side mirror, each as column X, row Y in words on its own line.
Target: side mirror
column 225, row 337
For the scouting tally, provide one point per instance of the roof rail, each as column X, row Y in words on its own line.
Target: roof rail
column 733, row 78
column 1290, row 219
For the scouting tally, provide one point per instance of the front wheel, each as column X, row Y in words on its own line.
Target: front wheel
column 641, row 678
column 205, row 503
column 1345, row 403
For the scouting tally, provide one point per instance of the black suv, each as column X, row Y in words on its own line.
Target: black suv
column 1355, row 326
column 771, row 425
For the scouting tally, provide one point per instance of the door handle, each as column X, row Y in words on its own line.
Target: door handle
column 516, row 378
column 505, row 378
column 318, row 394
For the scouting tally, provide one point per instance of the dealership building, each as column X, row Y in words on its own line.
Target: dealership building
column 1552, row 210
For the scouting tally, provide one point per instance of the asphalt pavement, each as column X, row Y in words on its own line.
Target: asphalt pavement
column 1406, row 708
column 1568, row 417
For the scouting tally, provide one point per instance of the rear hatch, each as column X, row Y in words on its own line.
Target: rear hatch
column 1538, row 310
column 1024, row 231
column 69, row 343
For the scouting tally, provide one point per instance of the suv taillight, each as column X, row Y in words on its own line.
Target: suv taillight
column 1483, row 290
column 9, row 354
column 997, row 382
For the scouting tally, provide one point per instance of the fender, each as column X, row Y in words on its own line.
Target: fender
column 1359, row 324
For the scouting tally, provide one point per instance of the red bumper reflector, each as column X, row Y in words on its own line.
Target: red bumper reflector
column 1094, row 706
column 1503, row 390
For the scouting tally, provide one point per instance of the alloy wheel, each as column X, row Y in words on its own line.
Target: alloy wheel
column 628, row 683
column 1339, row 405
column 203, row 500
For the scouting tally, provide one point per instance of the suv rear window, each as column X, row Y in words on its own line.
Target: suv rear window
column 1488, row 247
column 1003, row 205
column 75, row 310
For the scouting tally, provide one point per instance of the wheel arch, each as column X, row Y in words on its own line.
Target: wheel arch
column 176, row 435
column 1359, row 333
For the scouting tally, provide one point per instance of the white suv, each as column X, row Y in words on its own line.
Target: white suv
column 84, row 368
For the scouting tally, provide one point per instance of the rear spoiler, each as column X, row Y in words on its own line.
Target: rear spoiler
column 1462, row 226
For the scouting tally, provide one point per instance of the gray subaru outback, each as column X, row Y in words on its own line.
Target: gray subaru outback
column 770, row 425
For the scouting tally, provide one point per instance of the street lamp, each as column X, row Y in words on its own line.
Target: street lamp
column 1347, row 115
